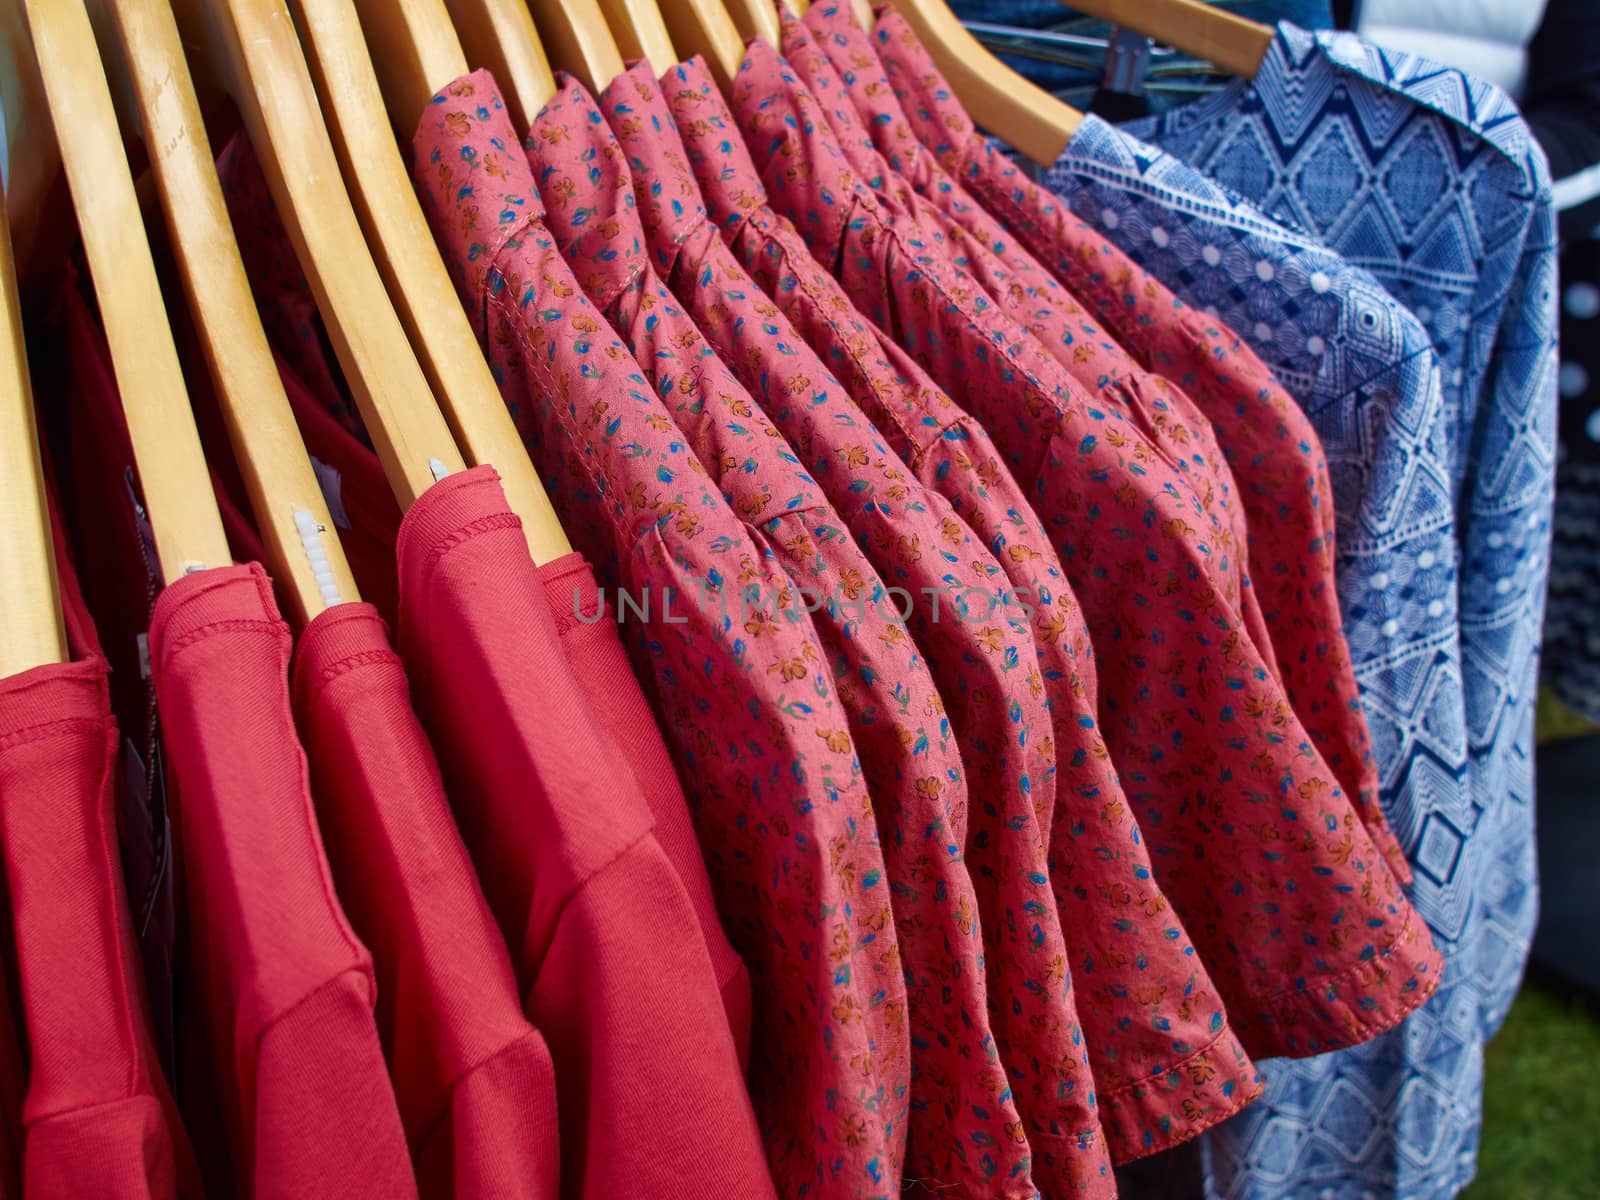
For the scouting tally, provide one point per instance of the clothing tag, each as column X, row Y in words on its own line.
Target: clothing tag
column 141, row 524
column 135, row 785
column 147, row 869
column 1127, row 63
column 332, row 491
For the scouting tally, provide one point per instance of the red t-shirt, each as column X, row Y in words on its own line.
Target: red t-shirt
column 98, row 1119
column 283, row 988
column 589, row 636
column 473, row 1079
column 603, row 937
column 368, row 519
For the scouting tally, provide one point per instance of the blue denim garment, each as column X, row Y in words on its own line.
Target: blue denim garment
column 1430, row 180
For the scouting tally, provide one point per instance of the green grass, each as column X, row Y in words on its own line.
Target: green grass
column 1541, row 1121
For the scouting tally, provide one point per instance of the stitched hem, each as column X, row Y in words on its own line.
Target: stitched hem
column 1355, row 1005
column 1180, row 1102
column 134, row 1096
column 1062, row 1161
column 85, row 726
column 914, row 1185
column 436, row 1120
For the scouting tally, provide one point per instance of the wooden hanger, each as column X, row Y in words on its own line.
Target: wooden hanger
column 360, row 110
column 579, row 40
column 640, row 31
column 1234, row 43
column 861, row 10
column 759, row 18
column 412, row 45
column 166, row 447
column 303, row 551
column 34, row 633
column 499, row 36
column 257, row 52
column 998, row 98
column 40, row 229
column 704, row 27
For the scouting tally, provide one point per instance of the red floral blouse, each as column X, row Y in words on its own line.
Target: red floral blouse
column 744, row 693
column 1019, row 286
column 1300, row 922
column 979, row 647
column 1099, row 865
column 1276, row 455
column 916, row 771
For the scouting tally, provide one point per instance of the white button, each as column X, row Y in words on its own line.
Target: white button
column 1109, row 218
column 1160, row 236
column 1425, row 559
column 1380, row 580
column 1320, row 282
column 1263, row 332
column 1502, row 586
column 1436, row 608
column 1315, row 345
column 1496, row 540
column 1424, row 314
column 1457, row 376
column 1212, row 255
column 1390, row 627
column 1265, row 271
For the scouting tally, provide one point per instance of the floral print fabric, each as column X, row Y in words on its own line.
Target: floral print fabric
column 915, row 772
column 805, row 186
column 1099, row 866
column 980, row 653
column 1277, row 459
column 744, row 693
column 1212, row 755
column 819, row 51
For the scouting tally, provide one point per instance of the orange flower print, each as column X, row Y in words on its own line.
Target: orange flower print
column 1151, row 995
column 965, row 921
column 852, row 1129
column 1116, row 893
column 837, row 740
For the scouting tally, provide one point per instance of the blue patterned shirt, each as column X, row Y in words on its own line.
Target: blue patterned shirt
column 1430, row 180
